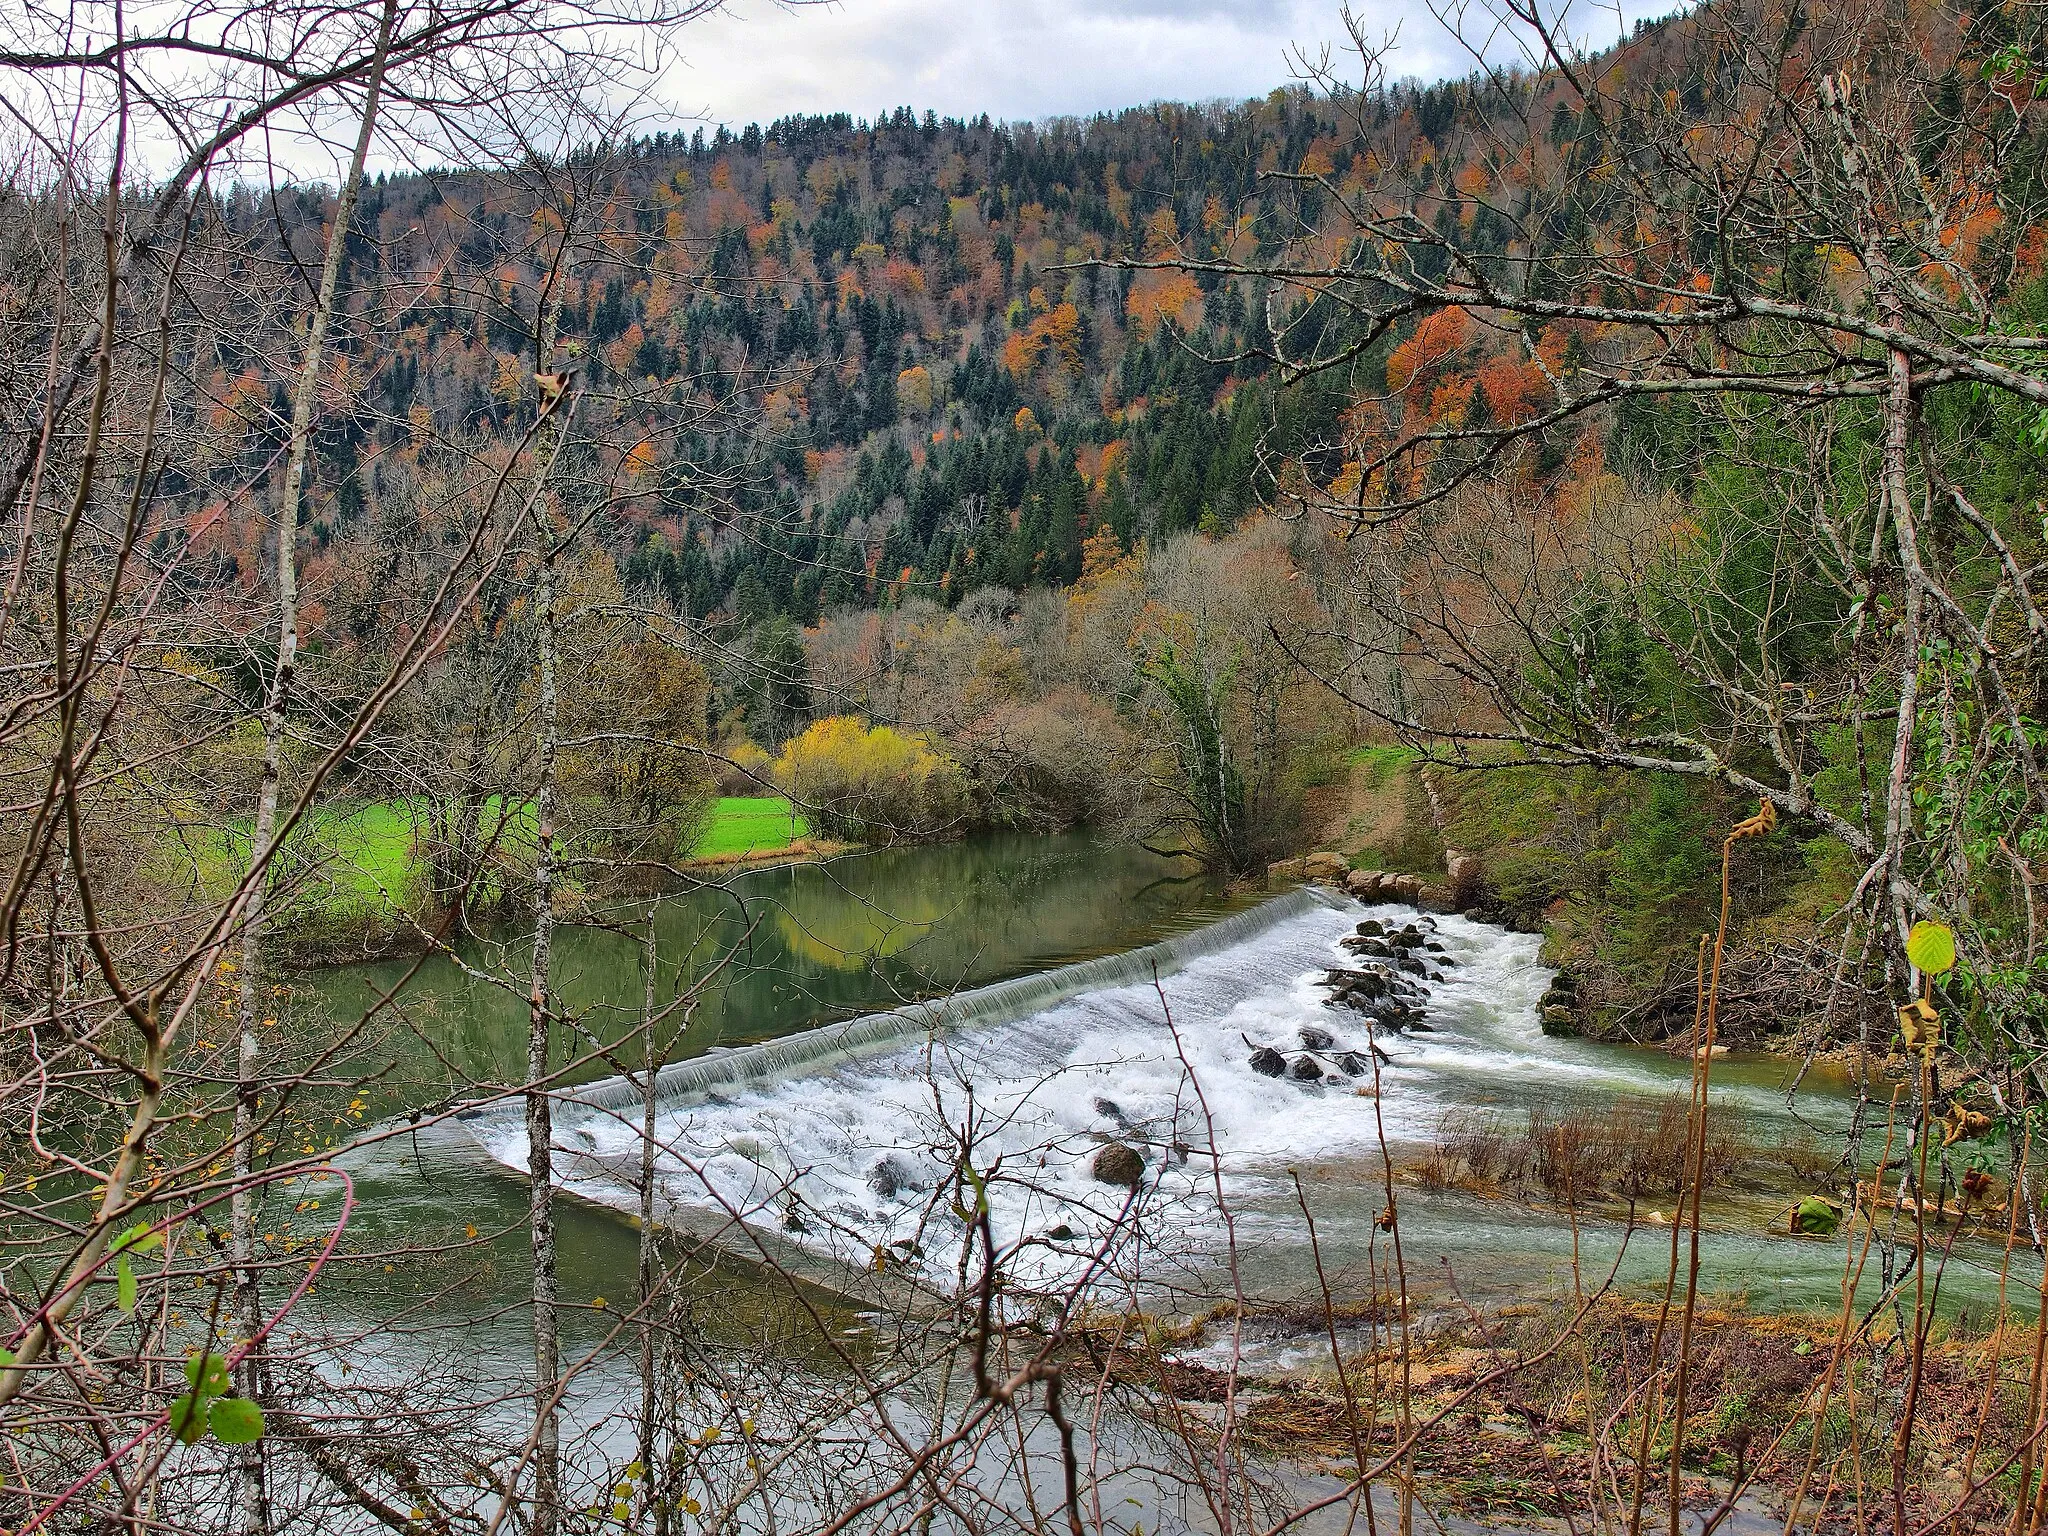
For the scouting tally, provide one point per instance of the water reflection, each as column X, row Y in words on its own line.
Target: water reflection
column 773, row 951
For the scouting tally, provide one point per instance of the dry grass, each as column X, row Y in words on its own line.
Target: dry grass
column 1572, row 1152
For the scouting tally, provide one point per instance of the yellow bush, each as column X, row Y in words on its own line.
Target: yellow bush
column 871, row 783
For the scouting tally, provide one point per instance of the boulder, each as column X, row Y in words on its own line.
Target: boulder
column 1113, row 1112
column 888, row 1178
column 1463, row 872
column 1286, row 872
column 1316, row 1038
column 1438, row 898
column 1407, row 888
column 1119, row 1164
column 1372, row 927
column 1559, row 1020
column 1305, row 1069
column 1268, row 1062
column 1327, row 867
column 1363, row 883
column 1351, row 1064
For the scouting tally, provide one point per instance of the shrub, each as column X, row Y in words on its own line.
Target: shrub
column 871, row 782
column 747, row 769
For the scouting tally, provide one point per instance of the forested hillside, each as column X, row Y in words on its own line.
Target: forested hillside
column 1139, row 381
column 905, row 365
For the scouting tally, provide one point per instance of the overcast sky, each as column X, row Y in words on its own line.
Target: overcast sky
column 1014, row 59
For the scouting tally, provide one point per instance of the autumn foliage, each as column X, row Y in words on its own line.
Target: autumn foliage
column 873, row 783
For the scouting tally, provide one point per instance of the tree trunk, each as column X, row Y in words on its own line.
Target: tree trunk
column 540, row 1129
column 654, row 1485
column 252, row 1512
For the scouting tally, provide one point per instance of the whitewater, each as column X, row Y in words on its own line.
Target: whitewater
column 850, row 1140
column 849, row 1144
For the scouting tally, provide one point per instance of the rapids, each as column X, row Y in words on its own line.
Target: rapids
column 844, row 1141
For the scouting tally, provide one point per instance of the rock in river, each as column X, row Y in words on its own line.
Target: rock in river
column 1119, row 1164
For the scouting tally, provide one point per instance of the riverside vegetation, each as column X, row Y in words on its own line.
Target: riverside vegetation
column 1600, row 492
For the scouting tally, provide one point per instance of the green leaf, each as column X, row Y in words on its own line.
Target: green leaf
column 6, row 1358
column 124, row 1283
column 138, row 1239
column 207, row 1375
column 1931, row 947
column 236, row 1421
column 188, row 1418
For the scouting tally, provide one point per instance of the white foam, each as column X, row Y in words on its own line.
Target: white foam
column 803, row 1154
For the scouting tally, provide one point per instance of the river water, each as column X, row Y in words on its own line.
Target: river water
column 852, row 1158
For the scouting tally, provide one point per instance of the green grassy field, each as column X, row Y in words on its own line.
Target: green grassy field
column 363, row 855
column 750, row 824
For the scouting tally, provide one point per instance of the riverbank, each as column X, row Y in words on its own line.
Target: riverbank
column 354, row 875
column 1530, row 1412
column 1619, row 870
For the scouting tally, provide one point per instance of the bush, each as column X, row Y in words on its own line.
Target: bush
column 871, row 783
column 746, row 771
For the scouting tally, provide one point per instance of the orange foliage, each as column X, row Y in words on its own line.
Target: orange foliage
column 2032, row 254
column 1451, row 399
column 1162, row 233
column 902, row 277
column 619, row 355
column 821, row 462
column 1515, row 391
column 1054, row 337
column 1100, row 551
column 1162, row 295
column 1441, row 333
column 1021, row 352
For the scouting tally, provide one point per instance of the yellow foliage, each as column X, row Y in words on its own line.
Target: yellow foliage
column 914, row 391
column 870, row 782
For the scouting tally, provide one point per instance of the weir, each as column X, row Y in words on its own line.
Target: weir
column 830, row 1045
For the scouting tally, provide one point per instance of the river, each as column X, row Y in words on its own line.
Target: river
column 851, row 1160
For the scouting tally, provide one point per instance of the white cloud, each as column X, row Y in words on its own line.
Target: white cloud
column 1014, row 59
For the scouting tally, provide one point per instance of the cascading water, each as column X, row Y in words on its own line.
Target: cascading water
column 847, row 1142
column 815, row 1050
column 847, row 1139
